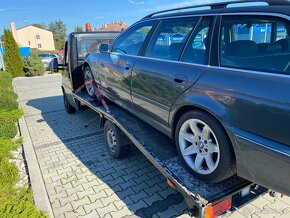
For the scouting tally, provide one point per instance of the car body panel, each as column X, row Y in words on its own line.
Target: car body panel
column 156, row 84
column 115, row 76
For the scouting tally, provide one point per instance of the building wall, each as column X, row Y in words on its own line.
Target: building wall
column 37, row 38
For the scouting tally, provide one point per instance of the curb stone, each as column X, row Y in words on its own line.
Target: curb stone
column 40, row 195
column 37, row 183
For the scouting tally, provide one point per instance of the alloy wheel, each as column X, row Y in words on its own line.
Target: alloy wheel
column 199, row 146
column 89, row 82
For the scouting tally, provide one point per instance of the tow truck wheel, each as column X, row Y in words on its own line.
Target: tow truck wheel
column 68, row 107
column 114, row 139
column 205, row 147
column 89, row 79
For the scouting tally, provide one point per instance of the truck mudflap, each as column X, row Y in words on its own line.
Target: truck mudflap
column 202, row 198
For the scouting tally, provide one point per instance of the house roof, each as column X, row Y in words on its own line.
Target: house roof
column 32, row 26
column 112, row 27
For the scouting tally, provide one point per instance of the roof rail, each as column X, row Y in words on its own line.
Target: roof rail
column 224, row 4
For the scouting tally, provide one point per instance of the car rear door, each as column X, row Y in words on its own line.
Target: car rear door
column 174, row 59
column 115, row 67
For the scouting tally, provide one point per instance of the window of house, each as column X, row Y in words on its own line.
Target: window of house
column 37, row 36
column 39, row 46
column 197, row 49
column 132, row 41
column 170, row 38
column 258, row 43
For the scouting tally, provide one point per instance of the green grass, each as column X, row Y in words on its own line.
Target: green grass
column 14, row 202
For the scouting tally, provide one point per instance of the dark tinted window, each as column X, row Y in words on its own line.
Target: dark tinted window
column 197, row 49
column 256, row 43
column 170, row 38
column 43, row 55
column 132, row 40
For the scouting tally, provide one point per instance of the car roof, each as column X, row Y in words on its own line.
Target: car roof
column 276, row 6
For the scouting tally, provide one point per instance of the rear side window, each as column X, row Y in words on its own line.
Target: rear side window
column 132, row 40
column 197, row 48
column 170, row 38
column 256, row 43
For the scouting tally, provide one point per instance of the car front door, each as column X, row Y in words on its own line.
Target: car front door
column 172, row 62
column 115, row 67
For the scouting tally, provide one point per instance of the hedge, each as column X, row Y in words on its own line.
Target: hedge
column 14, row 202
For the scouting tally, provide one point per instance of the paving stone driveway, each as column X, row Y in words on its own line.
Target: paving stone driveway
column 82, row 180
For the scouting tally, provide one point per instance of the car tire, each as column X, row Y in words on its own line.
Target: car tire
column 88, row 76
column 205, row 147
column 68, row 107
column 113, row 139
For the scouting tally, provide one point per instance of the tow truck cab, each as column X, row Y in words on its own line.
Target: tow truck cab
column 77, row 47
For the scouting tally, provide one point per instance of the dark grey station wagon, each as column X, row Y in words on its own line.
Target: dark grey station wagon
column 216, row 80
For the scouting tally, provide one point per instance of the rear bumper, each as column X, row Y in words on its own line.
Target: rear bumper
column 263, row 161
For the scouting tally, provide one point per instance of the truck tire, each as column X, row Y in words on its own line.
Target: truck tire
column 68, row 107
column 114, row 138
column 205, row 147
column 88, row 77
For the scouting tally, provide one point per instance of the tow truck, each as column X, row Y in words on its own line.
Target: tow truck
column 203, row 200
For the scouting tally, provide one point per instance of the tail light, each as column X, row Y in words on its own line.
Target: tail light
column 59, row 58
column 218, row 208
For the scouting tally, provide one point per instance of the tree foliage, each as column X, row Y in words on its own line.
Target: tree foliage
column 78, row 29
column 33, row 65
column 58, row 28
column 12, row 58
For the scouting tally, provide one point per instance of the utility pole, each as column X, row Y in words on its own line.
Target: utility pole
column 1, row 56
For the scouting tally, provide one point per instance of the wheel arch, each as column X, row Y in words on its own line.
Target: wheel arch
column 85, row 65
column 186, row 108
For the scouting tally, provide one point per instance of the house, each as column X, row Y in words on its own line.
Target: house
column 115, row 26
column 33, row 37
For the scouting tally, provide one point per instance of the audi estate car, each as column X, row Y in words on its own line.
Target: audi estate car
column 214, row 79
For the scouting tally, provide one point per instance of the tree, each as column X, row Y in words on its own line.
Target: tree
column 33, row 65
column 12, row 58
column 78, row 29
column 58, row 28
column 40, row 25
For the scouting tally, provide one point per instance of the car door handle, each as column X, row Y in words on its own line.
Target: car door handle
column 128, row 66
column 180, row 79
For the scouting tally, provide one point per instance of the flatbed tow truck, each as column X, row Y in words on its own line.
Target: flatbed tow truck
column 203, row 200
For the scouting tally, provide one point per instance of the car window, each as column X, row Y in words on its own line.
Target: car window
column 43, row 55
column 132, row 40
column 170, row 38
column 52, row 56
column 259, row 43
column 197, row 48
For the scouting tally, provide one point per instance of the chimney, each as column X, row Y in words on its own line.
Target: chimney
column 13, row 30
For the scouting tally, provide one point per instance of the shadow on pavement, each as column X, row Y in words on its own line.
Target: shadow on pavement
column 132, row 180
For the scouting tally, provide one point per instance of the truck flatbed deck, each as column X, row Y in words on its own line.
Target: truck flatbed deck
column 162, row 153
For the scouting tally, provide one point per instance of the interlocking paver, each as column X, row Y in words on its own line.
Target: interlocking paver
column 81, row 179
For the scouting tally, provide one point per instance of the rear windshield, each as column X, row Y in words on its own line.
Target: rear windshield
column 87, row 45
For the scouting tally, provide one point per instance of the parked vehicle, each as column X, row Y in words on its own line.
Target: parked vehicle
column 122, row 130
column 221, row 91
column 46, row 59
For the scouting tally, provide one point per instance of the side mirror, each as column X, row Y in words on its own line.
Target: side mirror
column 104, row 48
column 54, row 65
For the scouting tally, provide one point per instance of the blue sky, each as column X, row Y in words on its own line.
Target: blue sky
column 78, row 12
